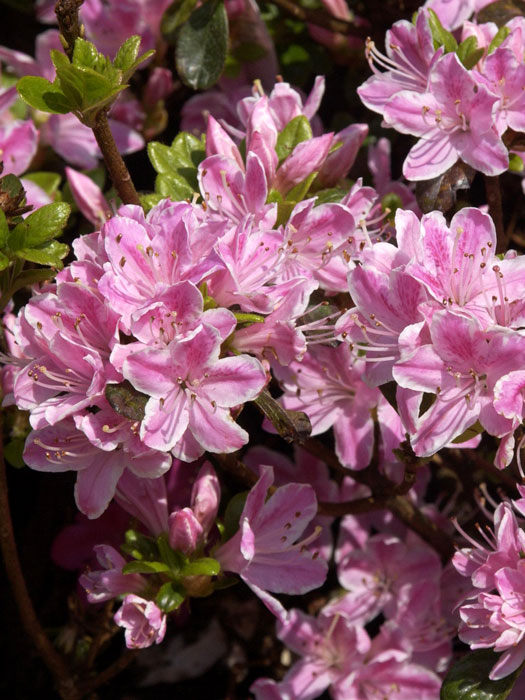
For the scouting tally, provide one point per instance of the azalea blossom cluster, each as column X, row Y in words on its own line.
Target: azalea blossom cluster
column 391, row 334
column 458, row 97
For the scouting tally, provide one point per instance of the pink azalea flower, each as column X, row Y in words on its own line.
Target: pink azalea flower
column 18, row 144
column 327, row 386
column 460, row 366
column 265, row 551
column 144, row 622
column 453, row 119
column 89, row 197
column 410, row 55
column 109, row 582
column 191, row 389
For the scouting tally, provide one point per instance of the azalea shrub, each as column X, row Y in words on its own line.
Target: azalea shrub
column 276, row 361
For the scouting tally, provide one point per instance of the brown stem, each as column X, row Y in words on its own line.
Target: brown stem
column 116, row 167
column 54, row 661
column 320, row 18
column 111, row 671
column 69, row 24
column 236, row 468
column 493, row 192
column 385, row 494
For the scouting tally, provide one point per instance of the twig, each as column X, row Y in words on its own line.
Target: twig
column 493, row 192
column 236, row 468
column 320, row 18
column 66, row 12
column 54, row 661
column 71, row 29
column 116, row 167
column 385, row 495
column 111, row 671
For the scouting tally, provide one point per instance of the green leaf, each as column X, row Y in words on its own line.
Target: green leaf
column 202, row 567
column 4, row 261
column 126, row 400
column 87, row 89
column 43, row 95
column 470, row 44
column 177, row 165
column 515, row 163
column 85, row 54
column 169, row 597
column 148, row 201
column 330, row 195
column 468, row 679
column 127, row 54
column 232, row 514
column 139, row 546
column 202, row 46
column 59, row 59
column 42, row 225
column 174, row 17
column 13, row 452
column 469, row 434
column 4, row 230
column 498, row 39
column 174, row 560
column 51, row 253
column 145, row 567
column 298, row 193
column 296, row 131
column 392, row 202
column 30, row 277
column 47, row 181
column 440, row 35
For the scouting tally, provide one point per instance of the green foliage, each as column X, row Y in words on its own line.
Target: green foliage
column 145, row 567
column 468, row 52
column 176, row 165
column 232, row 514
column 202, row 45
column 498, row 39
column 86, row 84
column 296, row 131
column 440, row 35
column 206, row 566
column 170, row 597
column 33, row 239
column 174, row 17
column 468, row 679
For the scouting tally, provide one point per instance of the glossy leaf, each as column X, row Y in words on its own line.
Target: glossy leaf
column 126, row 400
column 51, row 253
column 127, row 54
column 169, row 598
column 45, row 223
column 177, row 165
column 441, row 36
column 202, row 567
column 296, row 131
column 139, row 546
column 202, row 46
column 145, row 567
column 40, row 94
column 468, row 679
column 174, row 17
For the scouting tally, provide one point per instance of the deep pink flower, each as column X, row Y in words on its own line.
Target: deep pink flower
column 144, row 622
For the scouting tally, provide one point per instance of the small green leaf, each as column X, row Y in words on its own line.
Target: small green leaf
column 126, row 400
column 169, row 598
column 30, row 277
column 469, row 434
column 174, row 560
column 45, row 223
column 4, row 261
column 13, row 452
column 51, row 253
column 174, row 17
column 498, row 39
column 4, row 230
column 43, row 95
column 472, row 59
column 440, row 35
column 296, row 131
column 59, row 59
column 202, row 46
column 85, row 54
column 139, row 546
column 470, row 44
column 127, row 54
column 145, row 567
column 148, row 201
column 177, row 165
column 515, row 163
column 298, row 193
column 232, row 515
column 392, row 202
column 330, row 195
column 468, row 679
column 47, row 181
column 202, row 567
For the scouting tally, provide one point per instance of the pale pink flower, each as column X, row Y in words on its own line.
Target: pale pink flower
column 144, row 622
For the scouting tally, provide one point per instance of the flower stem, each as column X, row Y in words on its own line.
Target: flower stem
column 116, row 167
column 54, row 661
